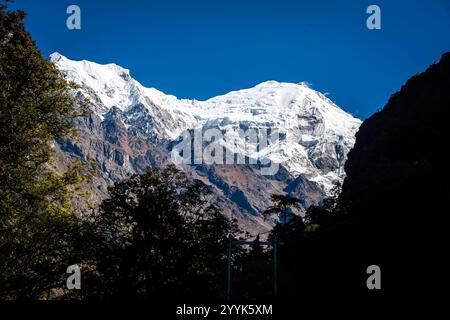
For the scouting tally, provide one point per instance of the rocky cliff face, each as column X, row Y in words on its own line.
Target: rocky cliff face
column 131, row 127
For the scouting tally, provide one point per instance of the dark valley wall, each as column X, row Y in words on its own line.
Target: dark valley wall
column 396, row 193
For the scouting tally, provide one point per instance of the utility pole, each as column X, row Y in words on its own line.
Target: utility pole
column 275, row 266
column 275, row 244
column 229, row 269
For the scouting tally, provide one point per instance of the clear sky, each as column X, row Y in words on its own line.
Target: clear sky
column 202, row 48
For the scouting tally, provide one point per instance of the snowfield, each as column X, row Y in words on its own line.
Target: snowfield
column 316, row 133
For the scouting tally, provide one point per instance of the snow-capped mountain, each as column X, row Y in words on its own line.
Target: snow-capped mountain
column 137, row 127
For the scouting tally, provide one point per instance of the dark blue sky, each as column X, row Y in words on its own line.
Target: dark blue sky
column 199, row 49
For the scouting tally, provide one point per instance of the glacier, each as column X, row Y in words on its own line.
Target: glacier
column 312, row 123
column 317, row 134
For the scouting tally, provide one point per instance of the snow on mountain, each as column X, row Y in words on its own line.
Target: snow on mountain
column 316, row 133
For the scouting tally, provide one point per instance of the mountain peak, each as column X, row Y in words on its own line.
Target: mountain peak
column 318, row 134
column 279, row 84
column 304, row 84
column 269, row 83
column 55, row 57
column 132, row 126
column 87, row 66
column 112, row 84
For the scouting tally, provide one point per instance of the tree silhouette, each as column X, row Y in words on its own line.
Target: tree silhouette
column 253, row 273
column 281, row 205
column 159, row 237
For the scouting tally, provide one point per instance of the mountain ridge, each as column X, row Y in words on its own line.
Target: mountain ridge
column 140, row 125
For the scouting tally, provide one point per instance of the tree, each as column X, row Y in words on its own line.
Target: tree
column 253, row 273
column 327, row 213
column 159, row 237
column 36, row 107
column 281, row 205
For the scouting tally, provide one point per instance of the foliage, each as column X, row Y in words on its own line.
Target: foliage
column 36, row 107
column 158, row 236
column 281, row 205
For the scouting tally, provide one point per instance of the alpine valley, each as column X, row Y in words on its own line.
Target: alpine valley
column 131, row 127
